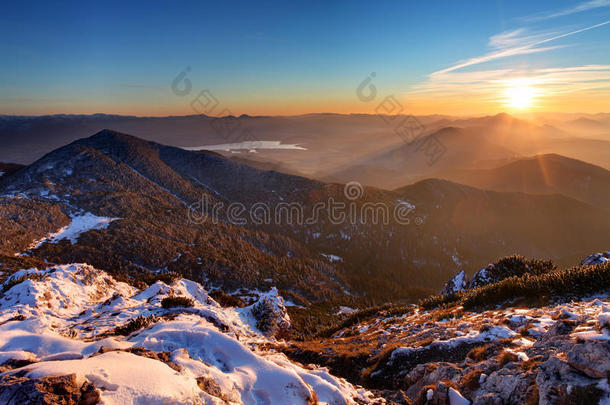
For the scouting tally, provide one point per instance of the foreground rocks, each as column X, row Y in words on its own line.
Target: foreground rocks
column 64, row 390
column 559, row 354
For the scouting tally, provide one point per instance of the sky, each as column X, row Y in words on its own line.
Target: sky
column 285, row 58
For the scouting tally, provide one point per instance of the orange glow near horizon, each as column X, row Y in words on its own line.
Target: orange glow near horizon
column 512, row 96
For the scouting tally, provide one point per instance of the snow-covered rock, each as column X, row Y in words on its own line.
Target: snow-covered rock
column 343, row 310
column 270, row 313
column 455, row 284
column 596, row 258
column 455, row 398
column 482, row 277
column 60, row 318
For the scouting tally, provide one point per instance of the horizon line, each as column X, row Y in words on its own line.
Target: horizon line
column 294, row 115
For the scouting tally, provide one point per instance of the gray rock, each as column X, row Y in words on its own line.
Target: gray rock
column 591, row 358
column 430, row 374
column 16, row 389
column 596, row 258
column 456, row 284
column 482, row 277
column 508, row 385
column 559, row 383
column 557, row 337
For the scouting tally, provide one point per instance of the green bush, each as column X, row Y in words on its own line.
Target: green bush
column 507, row 268
column 16, row 280
column 176, row 301
column 167, row 278
column 365, row 314
column 518, row 265
column 135, row 324
column 575, row 282
column 435, row 301
column 270, row 319
column 227, row 300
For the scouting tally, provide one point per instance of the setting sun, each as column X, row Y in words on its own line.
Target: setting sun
column 520, row 93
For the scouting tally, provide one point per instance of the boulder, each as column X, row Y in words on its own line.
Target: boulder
column 58, row 390
column 507, row 385
column 591, row 358
column 559, row 383
column 271, row 314
column 430, row 374
column 557, row 337
column 455, row 284
column 482, row 277
column 595, row 258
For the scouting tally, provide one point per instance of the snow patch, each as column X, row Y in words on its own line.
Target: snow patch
column 332, row 258
column 345, row 310
column 455, row 398
column 80, row 224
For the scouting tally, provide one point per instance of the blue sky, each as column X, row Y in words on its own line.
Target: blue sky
column 288, row 58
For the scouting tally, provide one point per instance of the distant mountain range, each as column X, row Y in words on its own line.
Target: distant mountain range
column 141, row 192
column 542, row 174
column 478, row 143
column 333, row 147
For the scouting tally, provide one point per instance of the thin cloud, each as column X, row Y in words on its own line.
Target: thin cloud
column 518, row 38
column 514, row 38
column 488, row 83
column 585, row 6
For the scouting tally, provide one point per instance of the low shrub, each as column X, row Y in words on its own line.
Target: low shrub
column 506, row 357
column 481, row 353
column 227, row 300
column 176, row 301
column 16, row 280
column 364, row 314
column 135, row 324
column 167, row 278
column 578, row 281
column 575, row 282
column 270, row 319
column 449, row 314
column 518, row 265
column 437, row 301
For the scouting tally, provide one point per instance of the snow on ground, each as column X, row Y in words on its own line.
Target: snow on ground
column 81, row 223
column 125, row 378
column 345, row 310
column 61, row 317
column 522, row 326
column 488, row 335
column 332, row 258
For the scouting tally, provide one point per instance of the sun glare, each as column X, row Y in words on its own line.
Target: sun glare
column 520, row 93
